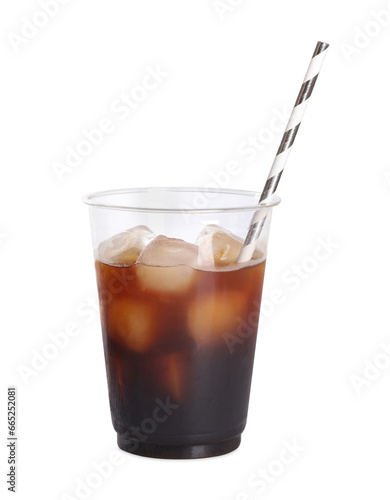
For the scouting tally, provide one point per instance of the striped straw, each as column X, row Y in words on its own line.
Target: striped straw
column 283, row 152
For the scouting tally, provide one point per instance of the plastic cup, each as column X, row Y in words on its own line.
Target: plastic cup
column 179, row 320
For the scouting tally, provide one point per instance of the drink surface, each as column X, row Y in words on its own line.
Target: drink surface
column 180, row 338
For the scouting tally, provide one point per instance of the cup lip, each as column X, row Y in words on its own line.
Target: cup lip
column 91, row 199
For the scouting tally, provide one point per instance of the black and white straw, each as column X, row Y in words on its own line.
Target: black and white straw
column 283, row 152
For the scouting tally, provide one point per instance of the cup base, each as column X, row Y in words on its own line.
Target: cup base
column 178, row 452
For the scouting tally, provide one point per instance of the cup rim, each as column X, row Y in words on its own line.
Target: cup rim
column 91, row 199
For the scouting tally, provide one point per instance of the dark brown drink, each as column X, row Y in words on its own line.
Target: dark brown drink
column 179, row 346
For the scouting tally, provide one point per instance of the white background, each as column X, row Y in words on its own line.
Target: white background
column 227, row 73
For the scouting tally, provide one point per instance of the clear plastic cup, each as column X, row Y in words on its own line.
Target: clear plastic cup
column 179, row 316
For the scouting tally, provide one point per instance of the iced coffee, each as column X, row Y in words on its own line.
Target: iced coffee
column 179, row 323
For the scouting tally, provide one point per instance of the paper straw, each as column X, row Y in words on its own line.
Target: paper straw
column 283, row 152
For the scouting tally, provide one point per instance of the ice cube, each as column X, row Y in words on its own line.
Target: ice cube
column 165, row 252
column 132, row 323
column 212, row 315
column 125, row 248
column 165, row 265
column 217, row 247
column 117, row 375
column 171, row 370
